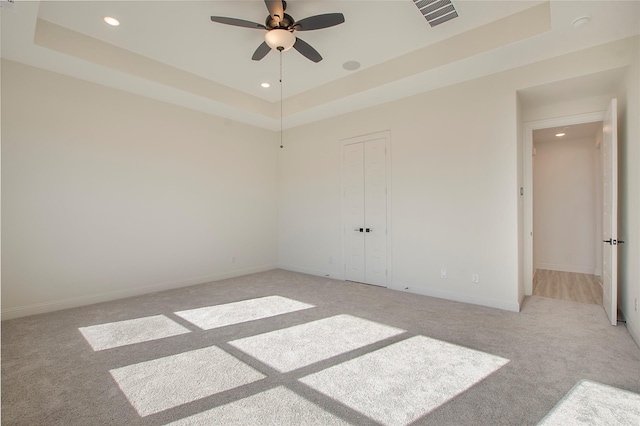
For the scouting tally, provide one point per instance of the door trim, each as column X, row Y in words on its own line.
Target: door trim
column 529, row 127
column 386, row 135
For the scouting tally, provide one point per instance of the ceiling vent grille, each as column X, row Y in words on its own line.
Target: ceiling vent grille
column 436, row 12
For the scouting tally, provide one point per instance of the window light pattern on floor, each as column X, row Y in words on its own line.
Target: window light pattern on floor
column 211, row 317
column 129, row 332
column 591, row 403
column 164, row 383
column 291, row 348
column 400, row 383
column 394, row 385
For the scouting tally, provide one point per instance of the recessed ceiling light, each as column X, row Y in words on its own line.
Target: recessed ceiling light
column 265, row 85
column 560, row 134
column 111, row 21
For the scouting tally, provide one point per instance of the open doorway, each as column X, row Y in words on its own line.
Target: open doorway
column 567, row 212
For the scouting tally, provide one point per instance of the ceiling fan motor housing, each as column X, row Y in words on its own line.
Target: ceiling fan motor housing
column 284, row 23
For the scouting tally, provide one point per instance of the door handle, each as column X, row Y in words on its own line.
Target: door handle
column 369, row 230
column 359, row 229
column 607, row 241
column 613, row 242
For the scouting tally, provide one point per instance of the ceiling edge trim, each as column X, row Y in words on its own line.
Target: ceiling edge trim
column 511, row 29
column 61, row 39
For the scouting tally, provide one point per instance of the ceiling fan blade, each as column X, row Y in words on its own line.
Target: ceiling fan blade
column 276, row 9
column 261, row 51
column 237, row 22
column 306, row 50
column 318, row 22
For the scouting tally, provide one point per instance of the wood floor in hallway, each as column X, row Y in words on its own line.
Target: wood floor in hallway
column 582, row 288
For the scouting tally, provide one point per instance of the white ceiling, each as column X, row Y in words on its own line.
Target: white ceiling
column 171, row 51
column 576, row 131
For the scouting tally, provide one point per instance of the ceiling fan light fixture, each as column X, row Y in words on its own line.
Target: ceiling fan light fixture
column 279, row 38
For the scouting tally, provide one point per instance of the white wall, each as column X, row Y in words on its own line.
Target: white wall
column 167, row 200
column 454, row 183
column 564, row 205
column 629, row 199
column 454, row 196
column 107, row 194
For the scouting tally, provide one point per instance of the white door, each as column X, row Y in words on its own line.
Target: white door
column 354, row 212
column 375, row 208
column 610, row 213
column 365, row 203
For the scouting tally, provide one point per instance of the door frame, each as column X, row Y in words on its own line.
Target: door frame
column 529, row 127
column 386, row 135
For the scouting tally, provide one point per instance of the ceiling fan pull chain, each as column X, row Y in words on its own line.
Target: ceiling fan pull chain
column 280, row 49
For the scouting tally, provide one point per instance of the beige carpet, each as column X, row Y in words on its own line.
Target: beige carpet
column 590, row 403
column 276, row 407
column 209, row 317
column 291, row 348
column 129, row 332
column 401, row 358
column 163, row 383
column 402, row 382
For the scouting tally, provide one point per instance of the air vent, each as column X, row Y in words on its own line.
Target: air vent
column 436, row 12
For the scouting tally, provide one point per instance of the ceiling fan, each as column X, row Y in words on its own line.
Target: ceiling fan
column 280, row 27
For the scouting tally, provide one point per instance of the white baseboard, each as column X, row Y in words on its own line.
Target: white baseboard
column 311, row 271
column 513, row 307
column 457, row 297
column 74, row 302
column 567, row 268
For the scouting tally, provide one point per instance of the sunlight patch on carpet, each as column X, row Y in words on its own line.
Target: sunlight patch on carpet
column 295, row 347
column 237, row 312
column 591, row 403
column 279, row 406
column 164, row 383
column 121, row 333
column 400, row 383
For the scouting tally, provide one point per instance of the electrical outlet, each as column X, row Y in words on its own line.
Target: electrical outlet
column 443, row 273
column 475, row 278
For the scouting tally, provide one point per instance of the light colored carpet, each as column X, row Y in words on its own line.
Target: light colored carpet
column 276, row 407
column 129, row 332
column 52, row 377
column 211, row 317
column 404, row 381
column 163, row 383
column 591, row 403
column 295, row 347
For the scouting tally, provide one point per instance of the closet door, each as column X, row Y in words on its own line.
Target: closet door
column 354, row 212
column 365, row 204
column 375, row 212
